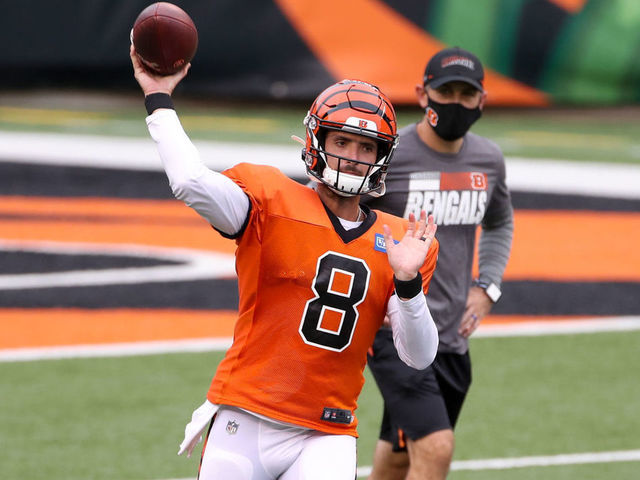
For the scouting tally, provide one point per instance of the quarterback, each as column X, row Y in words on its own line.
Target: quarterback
column 318, row 273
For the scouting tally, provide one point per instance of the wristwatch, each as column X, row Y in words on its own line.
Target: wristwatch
column 491, row 289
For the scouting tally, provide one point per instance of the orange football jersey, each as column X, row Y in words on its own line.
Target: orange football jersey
column 312, row 297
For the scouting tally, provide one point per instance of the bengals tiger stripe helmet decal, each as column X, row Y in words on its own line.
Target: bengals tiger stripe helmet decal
column 356, row 107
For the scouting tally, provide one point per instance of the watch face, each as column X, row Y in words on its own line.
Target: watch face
column 493, row 292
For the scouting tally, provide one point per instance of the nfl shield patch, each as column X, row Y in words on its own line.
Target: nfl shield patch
column 232, row 427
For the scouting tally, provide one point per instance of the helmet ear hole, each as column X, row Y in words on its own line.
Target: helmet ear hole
column 322, row 137
column 383, row 150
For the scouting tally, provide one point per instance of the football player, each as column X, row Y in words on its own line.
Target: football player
column 317, row 275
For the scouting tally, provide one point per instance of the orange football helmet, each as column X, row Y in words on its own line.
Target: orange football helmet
column 356, row 107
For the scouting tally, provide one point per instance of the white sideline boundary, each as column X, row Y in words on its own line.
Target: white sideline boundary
column 527, row 462
column 539, row 328
column 542, row 175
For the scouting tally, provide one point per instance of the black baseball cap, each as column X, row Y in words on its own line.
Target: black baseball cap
column 454, row 64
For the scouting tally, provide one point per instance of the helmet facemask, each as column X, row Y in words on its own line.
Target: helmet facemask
column 358, row 108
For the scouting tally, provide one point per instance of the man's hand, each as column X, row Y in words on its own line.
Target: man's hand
column 407, row 256
column 478, row 306
column 152, row 83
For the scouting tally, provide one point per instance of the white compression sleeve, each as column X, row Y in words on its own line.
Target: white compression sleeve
column 214, row 196
column 415, row 334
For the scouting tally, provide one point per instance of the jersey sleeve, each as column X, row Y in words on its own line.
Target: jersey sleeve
column 499, row 209
column 429, row 265
column 262, row 185
column 494, row 247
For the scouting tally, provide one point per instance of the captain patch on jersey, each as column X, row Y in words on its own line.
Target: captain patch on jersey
column 453, row 198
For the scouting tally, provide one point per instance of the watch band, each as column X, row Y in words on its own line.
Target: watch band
column 491, row 289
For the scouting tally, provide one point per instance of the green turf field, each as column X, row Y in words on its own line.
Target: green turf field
column 123, row 418
column 578, row 134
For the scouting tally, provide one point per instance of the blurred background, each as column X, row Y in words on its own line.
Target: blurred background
column 537, row 52
column 117, row 302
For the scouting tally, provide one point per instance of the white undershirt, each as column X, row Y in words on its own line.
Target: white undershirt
column 224, row 205
column 348, row 224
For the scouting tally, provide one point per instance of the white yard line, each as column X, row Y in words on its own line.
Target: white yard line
column 545, row 327
column 536, row 175
column 527, row 462
column 545, row 461
column 550, row 326
column 115, row 349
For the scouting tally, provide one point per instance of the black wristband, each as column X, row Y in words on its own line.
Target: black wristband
column 409, row 288
column 153, row 101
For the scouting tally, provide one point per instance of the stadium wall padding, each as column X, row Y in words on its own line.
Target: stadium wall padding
column 535, row 52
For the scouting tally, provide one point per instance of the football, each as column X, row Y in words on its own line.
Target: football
column 165, row 38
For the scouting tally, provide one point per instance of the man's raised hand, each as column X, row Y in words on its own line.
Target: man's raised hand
column 407, row 256
column 151, row 82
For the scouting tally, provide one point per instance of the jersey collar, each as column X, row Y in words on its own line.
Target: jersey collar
column 350, row 235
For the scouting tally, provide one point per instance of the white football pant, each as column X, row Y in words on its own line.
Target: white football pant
column 242, row 446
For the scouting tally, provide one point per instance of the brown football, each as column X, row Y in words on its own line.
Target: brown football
column 165, row 38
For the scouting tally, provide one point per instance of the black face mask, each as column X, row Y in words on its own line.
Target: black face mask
column 451, row 120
